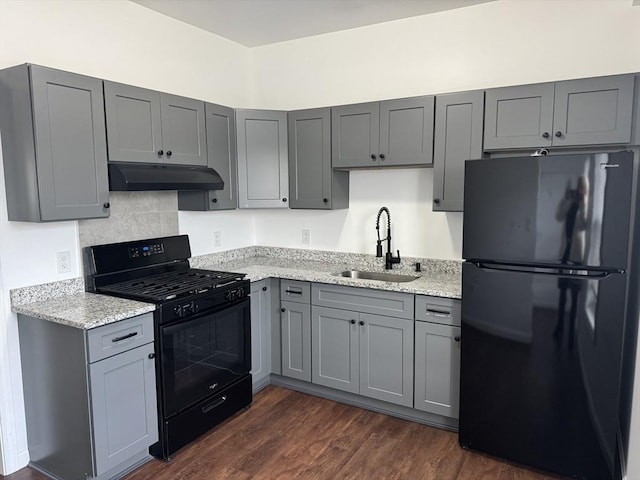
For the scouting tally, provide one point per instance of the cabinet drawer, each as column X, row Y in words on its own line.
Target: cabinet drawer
column 438, row 310
column 295, row 291
column 103, row 342
column 379, row 302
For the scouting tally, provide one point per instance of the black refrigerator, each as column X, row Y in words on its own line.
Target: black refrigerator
column 546, row 245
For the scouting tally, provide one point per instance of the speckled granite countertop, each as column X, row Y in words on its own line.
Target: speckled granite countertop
column 84, row 310
column 439, row 284
column 66, row 302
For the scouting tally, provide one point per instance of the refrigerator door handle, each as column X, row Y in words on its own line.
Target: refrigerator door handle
column 547, row 270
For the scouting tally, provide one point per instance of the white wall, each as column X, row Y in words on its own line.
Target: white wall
column 501, row 43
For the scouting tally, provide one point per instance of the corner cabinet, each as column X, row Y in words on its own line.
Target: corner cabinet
column 148, row 126
column 54, row 145
column 589, row 111
column 79, row 423
column 263, row 180
column 458, row 137
column 221, row 156
column 312, row 181
column 383, row 134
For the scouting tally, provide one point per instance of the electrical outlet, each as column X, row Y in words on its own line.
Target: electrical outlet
column 306, row 236
column 217, row 239
column 63, row 261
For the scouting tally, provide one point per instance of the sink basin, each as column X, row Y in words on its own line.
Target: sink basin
column 380, row 276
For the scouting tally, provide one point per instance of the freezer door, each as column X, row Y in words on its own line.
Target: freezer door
column 540, row 368
column 571, row 209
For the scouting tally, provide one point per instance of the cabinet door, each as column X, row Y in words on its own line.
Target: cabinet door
column 335, row 352
column 310, row 158
column 260, row 333
column 519, row 117
column 183, row 130
column 296, row 340
column 437, row 387
column 386, row 358
column 593, row 111
column 71, row 149
column 123, row 402
column 221, row 154
column 263, row 180
column 355, row 132
column 134, row 131
column 406, row 131
column 458, row 137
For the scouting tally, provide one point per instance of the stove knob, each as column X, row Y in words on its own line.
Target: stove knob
column 227, row 296
column 178, row 311
column 192, row 307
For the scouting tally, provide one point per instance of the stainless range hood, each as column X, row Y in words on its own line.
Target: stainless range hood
column 125, row 177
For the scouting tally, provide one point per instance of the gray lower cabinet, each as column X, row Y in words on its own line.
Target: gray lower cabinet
column 371, row 355
column 312, row 181
column 590, row 111
column 437, row 355
column 437, row 368
column 260, row 333
column 221, row 156
column 458, row 137
column 148, row 126
column 378, row 134
column 263, row 180
column 90, row 396
column 54, row 145
column 295, row 322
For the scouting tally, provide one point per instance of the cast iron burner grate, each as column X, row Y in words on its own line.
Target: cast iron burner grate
column 170, row 285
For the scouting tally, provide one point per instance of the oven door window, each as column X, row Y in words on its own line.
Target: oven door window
column 203, row 354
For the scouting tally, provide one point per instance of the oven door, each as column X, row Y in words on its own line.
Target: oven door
column 203, row 353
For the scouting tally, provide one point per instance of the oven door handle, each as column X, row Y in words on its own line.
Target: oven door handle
column 217, row 403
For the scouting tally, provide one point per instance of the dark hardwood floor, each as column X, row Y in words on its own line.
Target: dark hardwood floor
column 286, row 434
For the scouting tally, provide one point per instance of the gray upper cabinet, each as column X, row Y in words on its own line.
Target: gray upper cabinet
column 263, row 180
column 312, row 181
column 54, row 145
column 458, row 137
column 591, row 111
column 221, row 156
column 148, row 126
column 389, row 133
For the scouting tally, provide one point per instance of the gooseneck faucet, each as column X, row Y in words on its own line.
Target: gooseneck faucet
column 389, row 258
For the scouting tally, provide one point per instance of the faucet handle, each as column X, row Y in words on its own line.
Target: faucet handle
column 398, row 255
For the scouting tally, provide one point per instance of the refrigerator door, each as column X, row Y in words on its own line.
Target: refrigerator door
column 562, row 209
column 540, row 368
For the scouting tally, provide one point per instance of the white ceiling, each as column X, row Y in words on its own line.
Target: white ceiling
column 260, row 22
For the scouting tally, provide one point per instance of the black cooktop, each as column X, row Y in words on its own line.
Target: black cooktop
column 170, row 285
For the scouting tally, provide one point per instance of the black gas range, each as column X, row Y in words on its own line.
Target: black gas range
column 202, row 331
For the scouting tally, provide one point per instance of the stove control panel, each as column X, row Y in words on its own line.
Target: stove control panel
column 235, row 294
column 185, row 309
column 146, row 250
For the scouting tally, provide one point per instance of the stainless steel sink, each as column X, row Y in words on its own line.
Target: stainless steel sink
column 380, row 276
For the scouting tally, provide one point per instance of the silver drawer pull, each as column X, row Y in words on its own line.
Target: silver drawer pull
column 217, row 403
column 124, row 337
column 439, row 313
